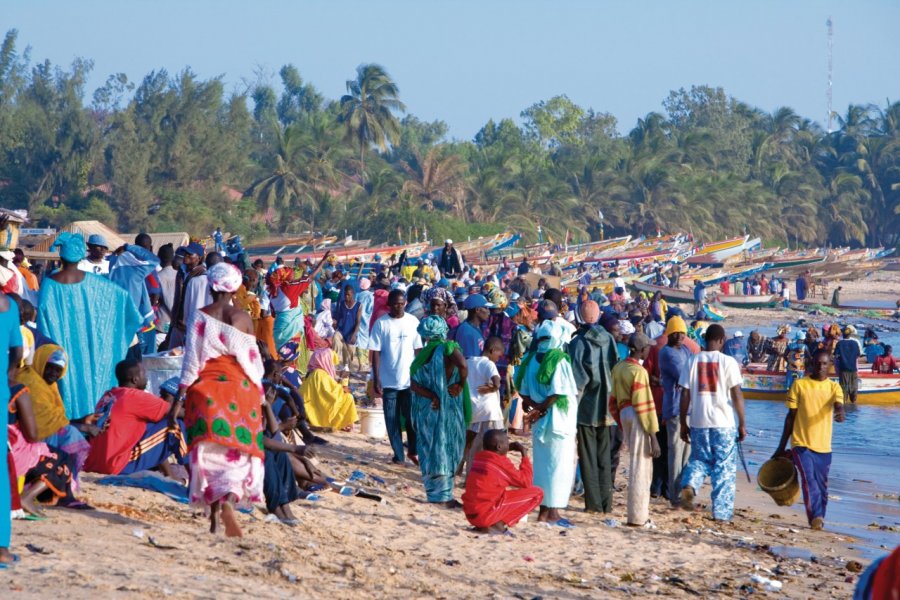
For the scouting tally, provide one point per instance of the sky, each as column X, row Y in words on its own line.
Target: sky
column 468, row 61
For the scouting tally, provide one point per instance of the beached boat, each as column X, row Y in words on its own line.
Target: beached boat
column 715, row 314
column 775, row 264
column 742, row 301
column 724, row 248
column 675, row 295
column 760, row 384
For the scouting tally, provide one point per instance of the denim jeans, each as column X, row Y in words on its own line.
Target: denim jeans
column 396, row 407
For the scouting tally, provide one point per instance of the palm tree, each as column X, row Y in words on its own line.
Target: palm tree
column 437, row 178
column 367, row 110
column 283, row 190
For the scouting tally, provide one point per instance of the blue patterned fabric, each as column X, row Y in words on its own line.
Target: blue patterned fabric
column 440, row 434
column 94, row 321
column 288, row 325
column 714, row 455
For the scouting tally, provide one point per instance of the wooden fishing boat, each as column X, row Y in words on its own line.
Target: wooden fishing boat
column 715, row 314
column 759, row 384
column 743, row 301
column 674, row 295
column 775, row 263
column 723, row 248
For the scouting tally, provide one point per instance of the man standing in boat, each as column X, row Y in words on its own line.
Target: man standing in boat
column 846, row 355
column 451, row 263
column 813, row 403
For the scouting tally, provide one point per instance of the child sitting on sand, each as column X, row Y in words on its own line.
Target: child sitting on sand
column 487, row 502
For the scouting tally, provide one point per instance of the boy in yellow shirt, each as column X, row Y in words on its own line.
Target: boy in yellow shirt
column 813, row 402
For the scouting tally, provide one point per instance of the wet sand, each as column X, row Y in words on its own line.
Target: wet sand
column 356, row 548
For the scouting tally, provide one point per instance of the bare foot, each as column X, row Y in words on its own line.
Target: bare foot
column 232, row 529
column 451, row 504
column 6, row 556
column 413, row 458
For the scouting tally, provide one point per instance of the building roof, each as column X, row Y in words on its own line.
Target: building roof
column 15, row 216
column 85, row 228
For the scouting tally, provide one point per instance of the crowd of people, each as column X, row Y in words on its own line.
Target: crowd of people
column 458, row 359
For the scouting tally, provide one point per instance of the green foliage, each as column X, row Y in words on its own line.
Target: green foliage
column 176, row 152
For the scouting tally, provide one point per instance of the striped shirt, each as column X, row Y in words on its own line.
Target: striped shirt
column 631, row 387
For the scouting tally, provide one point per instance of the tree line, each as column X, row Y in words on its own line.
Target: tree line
column 176, row 152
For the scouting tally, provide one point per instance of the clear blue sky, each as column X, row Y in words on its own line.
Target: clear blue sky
column 470, row 60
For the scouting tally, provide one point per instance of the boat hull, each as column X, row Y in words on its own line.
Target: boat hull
column 878, row 390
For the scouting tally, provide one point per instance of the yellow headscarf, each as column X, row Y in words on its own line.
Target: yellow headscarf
column 49, row 412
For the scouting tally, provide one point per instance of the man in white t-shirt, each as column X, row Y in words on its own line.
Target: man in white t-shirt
column 95, row 262
column 484, row 385
column 393, row 342
column 711, row 394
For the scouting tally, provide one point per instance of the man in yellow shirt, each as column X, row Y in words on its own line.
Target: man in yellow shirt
column 813, row 402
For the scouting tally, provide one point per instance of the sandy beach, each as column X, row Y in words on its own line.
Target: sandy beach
column 142, row 544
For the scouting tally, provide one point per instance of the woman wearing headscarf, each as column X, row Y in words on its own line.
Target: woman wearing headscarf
column 289, row 293
column 327, row 403
column 53, row 426
column 347, row 326
column 48, row 472
column 441, row 409
column 547, row 385
column 94, row 319
column 776, row 348
column 221, row 380
column 366, row 300
column 440, row 302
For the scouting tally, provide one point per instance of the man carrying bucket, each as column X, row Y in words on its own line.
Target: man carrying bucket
column 811, row 402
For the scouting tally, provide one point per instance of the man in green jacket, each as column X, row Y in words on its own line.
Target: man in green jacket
column 593, row 352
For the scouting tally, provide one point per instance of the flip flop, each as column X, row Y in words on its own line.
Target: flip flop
column 290, row 522
column 316, row 487
column 9, row 565
column 565, row 524
column 346, row 491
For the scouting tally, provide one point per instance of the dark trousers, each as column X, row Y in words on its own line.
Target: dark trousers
column 594, row 460
column 279, row 483
column 659, row 485
column 397, row 405
column 615, row 448
column 813, row 467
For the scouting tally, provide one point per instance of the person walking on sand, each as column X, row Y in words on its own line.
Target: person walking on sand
column 221, row 378
column 711, row 394
column 632, row 404
column 488, row 502
column 813, row 402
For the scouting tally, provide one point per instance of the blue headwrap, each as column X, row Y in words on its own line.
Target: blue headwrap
column 71, row 246
column 433, row 328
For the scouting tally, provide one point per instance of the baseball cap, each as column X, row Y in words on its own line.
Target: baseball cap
column 639, row 341
column 448, row 241
column 476, row 301
column 547, row 310
column 95, row 239
column 738, row 334
column 194, row 248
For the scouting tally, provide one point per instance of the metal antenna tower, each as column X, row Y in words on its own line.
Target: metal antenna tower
column 830, row 27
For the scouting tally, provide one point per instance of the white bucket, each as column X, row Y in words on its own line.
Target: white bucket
column 371, row 422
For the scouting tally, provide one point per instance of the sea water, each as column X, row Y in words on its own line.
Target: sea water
column 864, row 481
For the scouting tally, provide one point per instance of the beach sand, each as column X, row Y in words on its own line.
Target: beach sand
column 356, row 548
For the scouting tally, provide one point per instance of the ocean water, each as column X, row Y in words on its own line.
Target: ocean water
column 864, row 481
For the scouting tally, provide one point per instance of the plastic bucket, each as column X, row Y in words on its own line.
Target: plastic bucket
column 778, row 478
column 371, row 422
